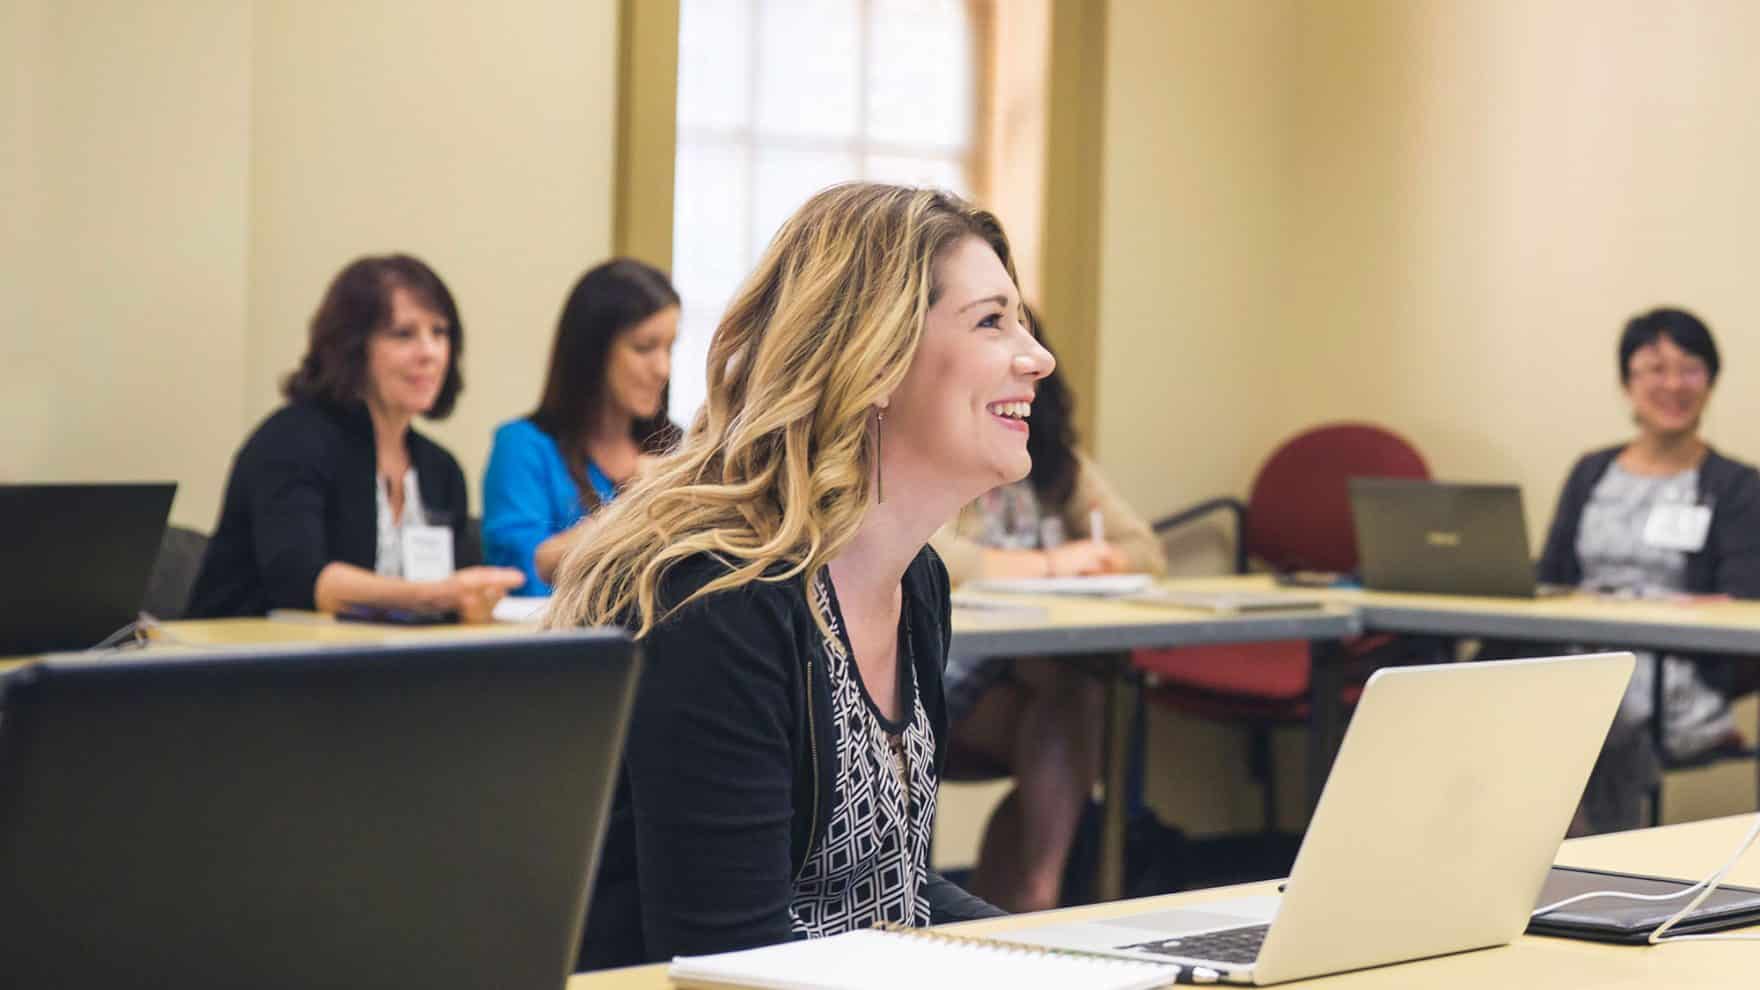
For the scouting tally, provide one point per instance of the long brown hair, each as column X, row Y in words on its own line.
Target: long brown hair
column 605, row 302
column 777, row 470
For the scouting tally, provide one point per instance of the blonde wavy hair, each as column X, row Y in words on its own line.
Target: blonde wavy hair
column 777, row 471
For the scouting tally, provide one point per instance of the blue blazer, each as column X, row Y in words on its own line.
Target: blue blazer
column 528, row 497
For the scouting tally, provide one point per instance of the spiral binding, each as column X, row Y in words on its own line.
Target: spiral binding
column 1019, row 948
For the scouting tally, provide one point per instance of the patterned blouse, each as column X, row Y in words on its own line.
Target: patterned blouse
column 869, row 861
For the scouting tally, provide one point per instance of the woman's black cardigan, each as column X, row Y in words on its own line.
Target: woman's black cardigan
column 734, row 688
column 303, row 493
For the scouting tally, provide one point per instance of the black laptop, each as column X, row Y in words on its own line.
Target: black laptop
column 1451, row 539
column 418, row 815
column 78, row 558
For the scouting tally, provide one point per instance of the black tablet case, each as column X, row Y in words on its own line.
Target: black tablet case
column 1613, row 919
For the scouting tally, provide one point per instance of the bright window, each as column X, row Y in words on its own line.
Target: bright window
column 778, row 99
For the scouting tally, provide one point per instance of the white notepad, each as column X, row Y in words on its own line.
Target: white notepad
column 915, row 960
column 1094, row 585
column 515, row 608
column 1006, row 608
column 1229, row 602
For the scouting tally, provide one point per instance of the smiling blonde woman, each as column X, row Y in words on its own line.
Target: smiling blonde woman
column 872, row 376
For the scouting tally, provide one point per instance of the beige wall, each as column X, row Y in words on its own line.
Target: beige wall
column 1427, row 213
column 1193, row 231
column 125, row 255
column 479, row 138
column 190, row 174
column 1485, row 191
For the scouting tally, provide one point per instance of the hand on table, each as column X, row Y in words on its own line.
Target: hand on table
column 1079, row 558
column 473, row 591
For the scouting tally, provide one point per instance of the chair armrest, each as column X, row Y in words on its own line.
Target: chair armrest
column 1205, row 508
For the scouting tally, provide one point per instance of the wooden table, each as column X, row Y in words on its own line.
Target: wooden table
column 1054, row 625
column 1690, row 851
column 1685, row 626
column 290, row 630
column 1027, row 626
column 1691, row 626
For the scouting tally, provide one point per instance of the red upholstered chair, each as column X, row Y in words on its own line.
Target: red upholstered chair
column 1297, row 518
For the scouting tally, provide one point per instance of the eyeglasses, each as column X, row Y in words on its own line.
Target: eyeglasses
column 1688, row 374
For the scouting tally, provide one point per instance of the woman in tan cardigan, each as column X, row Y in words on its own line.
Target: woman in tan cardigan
column 1036, row 718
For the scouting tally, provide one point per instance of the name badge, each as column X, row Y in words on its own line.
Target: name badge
column 1678, row 527
column 427, row 552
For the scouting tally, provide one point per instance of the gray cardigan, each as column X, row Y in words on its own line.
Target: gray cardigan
column 1729, row 563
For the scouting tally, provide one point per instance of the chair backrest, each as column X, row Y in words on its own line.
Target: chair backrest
column 174, row 572
column 1299, row 513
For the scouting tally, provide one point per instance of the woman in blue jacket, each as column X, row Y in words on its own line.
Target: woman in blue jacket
column 601, row 418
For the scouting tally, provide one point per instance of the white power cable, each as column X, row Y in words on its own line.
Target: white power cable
column 1703, row 888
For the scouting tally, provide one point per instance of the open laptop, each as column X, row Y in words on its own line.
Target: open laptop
column 78, row 558
column 1443, row 538
column 418, row 815
column 1436, row 829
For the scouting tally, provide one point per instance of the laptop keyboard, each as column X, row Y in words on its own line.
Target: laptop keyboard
column 1231, row 945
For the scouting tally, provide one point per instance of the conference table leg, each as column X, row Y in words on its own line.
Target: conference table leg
column 1325, row 714
column 1121, row 706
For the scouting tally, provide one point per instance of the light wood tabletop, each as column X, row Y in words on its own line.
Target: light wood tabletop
column 1690, row 851
column 1694, row 625
column 1047, row 625
column 1037, row 625
column 1010, row 626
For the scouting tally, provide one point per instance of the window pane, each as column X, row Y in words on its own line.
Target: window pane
column 709, row 224
column 709, row 219
column 785, row 178
column 942, row 173
column 714, row 64
column 808, row 60
column 920, row 80
column 690, row 362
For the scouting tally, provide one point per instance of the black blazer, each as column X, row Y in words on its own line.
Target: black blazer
column 303, row 493
column 730, row 743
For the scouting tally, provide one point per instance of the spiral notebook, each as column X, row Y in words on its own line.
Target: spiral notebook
column 887, row 959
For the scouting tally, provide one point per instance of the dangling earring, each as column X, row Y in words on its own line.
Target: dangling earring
column 879, row 474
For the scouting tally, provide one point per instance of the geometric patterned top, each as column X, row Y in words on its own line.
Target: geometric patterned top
column 868, row 862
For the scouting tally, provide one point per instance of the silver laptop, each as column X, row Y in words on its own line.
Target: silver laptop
column 1443, row 538
column 1437, row 827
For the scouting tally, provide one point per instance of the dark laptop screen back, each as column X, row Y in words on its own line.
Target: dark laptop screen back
column 1443, row 538
column 409, row 816
column 77, row 561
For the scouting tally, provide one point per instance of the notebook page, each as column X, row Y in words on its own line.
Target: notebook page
column 883, row 960
column 1092, row 585
column 514, row 608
